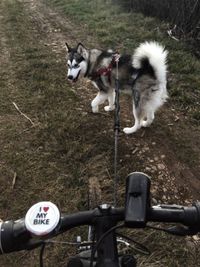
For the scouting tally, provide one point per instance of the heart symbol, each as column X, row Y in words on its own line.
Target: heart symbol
column 45, row 209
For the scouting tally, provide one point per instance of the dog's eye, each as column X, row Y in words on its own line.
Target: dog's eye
column 75, row 66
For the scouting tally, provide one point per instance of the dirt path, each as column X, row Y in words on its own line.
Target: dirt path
column 169, row 151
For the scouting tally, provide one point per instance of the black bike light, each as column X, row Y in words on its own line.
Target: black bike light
column 137, row 199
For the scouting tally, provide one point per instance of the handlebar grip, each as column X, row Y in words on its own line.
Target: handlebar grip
column 197, row 206
column 12, row 235
column 15, row 237
column 189, row 216
column 6, row 236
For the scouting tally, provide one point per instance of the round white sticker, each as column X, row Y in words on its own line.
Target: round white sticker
column 42, row 218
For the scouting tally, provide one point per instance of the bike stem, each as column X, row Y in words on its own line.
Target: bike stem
column 107, row 249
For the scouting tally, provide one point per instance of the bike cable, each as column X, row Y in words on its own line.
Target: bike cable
column 176, row 230
column 138, row 246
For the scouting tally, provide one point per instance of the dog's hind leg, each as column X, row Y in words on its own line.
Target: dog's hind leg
column 149, row 119
column 111, row 101
column 137, row 125
column 98, row 100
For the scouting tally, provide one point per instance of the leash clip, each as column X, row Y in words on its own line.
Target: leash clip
column 116, row 57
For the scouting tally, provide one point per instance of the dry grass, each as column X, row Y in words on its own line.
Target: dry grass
column 67, row 145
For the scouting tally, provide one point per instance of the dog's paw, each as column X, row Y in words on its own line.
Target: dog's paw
column 130, row 130
column 145, row 124
column 109, row 108
column 95, row 109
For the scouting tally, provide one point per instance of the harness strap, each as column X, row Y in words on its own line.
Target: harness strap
column 106, row 71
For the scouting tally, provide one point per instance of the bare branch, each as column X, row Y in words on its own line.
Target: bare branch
column 15, row 105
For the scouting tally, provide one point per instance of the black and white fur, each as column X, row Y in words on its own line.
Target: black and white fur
column 143, row 74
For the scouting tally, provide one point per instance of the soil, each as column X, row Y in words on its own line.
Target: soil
column 168, row 151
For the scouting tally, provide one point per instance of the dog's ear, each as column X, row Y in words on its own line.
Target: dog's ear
column 82, row 50
column 68, row 48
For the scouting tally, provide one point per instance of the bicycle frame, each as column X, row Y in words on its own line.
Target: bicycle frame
column 107, row 252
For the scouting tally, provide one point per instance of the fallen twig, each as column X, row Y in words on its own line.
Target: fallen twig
column 15, row 105
column 169, row 32
column 108, row 173
column 135, row 150
column 14, row 180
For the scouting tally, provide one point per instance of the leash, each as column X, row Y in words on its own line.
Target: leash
column 117, row 121
column 116, row 129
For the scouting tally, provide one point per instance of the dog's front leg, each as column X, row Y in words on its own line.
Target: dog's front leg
column 111, row 101
column 98, row 100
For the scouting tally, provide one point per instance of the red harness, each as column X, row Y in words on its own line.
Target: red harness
column 106, row 71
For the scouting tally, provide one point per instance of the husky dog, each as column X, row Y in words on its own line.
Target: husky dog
column 143, row 74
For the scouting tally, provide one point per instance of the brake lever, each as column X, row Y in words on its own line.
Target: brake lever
column 182, row 230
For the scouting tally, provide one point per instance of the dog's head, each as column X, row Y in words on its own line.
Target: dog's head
column 77, row 61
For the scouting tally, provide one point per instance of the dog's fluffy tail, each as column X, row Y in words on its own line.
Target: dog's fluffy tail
column 156, row 56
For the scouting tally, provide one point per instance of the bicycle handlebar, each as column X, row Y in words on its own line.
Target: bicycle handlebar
column 14, row 236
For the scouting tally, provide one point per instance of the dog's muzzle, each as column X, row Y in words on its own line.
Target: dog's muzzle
column 71, row 78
